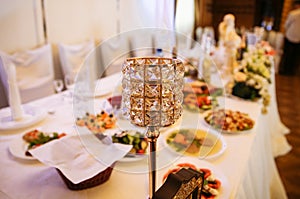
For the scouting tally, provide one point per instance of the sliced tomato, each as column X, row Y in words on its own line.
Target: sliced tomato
column 187, row 165
column 206, row 172
column 215, row 185
column 200, row 101
column 140, row 151
column 207, row 101
column 62, row 135
column 170, row 171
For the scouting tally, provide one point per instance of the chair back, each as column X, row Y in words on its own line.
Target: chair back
column 113, row 53
column 34, row 72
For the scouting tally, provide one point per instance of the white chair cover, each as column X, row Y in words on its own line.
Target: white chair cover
column 34, row 72
column 73, row 56
column 79, row 61
column 113, row 52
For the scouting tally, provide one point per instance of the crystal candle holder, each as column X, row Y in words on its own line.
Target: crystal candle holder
column 152, row 90
column 152, row 96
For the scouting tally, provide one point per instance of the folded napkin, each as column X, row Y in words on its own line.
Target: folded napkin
column 79, row 157
column 12, row 87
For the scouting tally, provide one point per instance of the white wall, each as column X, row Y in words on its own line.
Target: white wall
column 21, row 24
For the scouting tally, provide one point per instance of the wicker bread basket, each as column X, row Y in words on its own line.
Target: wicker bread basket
column 98, row 179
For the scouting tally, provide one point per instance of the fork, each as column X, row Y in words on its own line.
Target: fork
column 104, row 138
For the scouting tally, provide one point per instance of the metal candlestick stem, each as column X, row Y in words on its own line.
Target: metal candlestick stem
column 152, row 135
column 152, row 97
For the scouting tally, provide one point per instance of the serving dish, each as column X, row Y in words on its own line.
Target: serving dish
column 223, row 190
column 200, row 143
column 228, row 121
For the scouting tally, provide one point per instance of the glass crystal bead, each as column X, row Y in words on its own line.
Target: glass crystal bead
column 167, row 104
column 126, row 101
column 167, row 72
column 153, row 118
column 137, row 117
column 167, row 89
column 137, row 88
column 179, row 98
column 125, row 112
column 152, row 73
column 126, row 84
column 137, row 72
column 136, row 103
column 152, row 90
column 167, row 118
column 152, row 104
column 177, row 112
column 179, row 70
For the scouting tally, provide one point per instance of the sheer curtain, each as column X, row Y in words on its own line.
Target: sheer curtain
column 157, row 13
column 185, row 17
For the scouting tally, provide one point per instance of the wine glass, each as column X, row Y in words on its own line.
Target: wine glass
column 69, row 83
column 58, row 85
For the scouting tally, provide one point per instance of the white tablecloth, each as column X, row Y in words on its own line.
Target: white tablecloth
column 247, row 163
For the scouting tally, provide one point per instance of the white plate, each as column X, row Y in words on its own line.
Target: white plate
column 220, row 130
column 205, row 152
column 18, row 148
column 32, row 115
column 129, row 158
column 224, row 191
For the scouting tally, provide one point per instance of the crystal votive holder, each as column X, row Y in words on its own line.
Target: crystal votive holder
column 152, row 90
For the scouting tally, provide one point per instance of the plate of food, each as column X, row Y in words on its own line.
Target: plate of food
column 200, row 143
column 20, row 146
column 97, row 123
column 229, row 121
column 136, row 139
column 199, row 96
column 216, row 184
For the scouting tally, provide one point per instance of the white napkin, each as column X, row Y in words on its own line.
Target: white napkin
column 13, row 90
column 77, row 162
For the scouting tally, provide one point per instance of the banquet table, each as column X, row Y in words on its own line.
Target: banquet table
column 247, row 165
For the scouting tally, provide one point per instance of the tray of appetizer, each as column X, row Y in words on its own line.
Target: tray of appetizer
column 20, row 146
column 229, row 121
column 215, row 184
column 97, row 123
column 198, row 143
column 199, row 96
column 136, row 139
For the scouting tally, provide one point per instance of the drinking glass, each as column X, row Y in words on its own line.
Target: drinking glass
column 69, row 81
column 58, row 85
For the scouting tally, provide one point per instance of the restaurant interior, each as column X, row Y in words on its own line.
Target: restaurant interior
column 153, row 99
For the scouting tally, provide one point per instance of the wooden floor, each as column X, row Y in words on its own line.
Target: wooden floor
column 288, row 99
